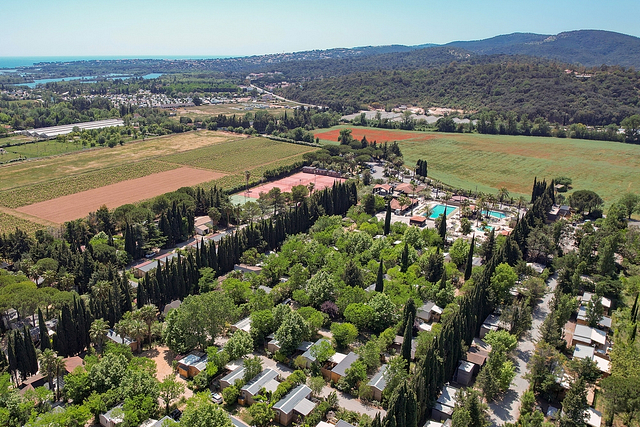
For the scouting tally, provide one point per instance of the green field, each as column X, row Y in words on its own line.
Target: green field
column 8, row 223
column 238, row 155
column 40, row 149
column 493, row 161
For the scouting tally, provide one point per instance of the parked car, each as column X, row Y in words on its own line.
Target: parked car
column 176, row 414
column 217, row 398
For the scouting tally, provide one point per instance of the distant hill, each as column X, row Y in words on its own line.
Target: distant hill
column 537, row 87
column 590, row 48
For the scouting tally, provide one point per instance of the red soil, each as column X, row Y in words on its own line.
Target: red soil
column 378, row 135
column 74, row 206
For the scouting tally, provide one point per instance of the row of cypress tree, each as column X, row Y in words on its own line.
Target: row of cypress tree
column 179, row 277
column 411, row 401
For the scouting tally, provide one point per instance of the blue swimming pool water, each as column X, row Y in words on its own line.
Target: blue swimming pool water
column 439, row 210
column 495, row 214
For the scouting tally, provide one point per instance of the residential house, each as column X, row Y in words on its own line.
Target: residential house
column 173, row 304
column 191, row 365
column 401, row 209
column 112, row 418
column 477, row 356
column 378, row 383
column 115, row 338
column 339, row 370
column 465, row 373
column 492, row 323
column 309, row 358
column 343, row 423
column 586, row 352
column 232, row 377
column 244, row 324
column 418, row 220
column 382, row 189
column 141, row 269
column 407, row 188
column 294, row 405
column 589, row 336
column 397, row 344
column 203, row 225
column 443, row 408
column 429, row 312
column 594, row 418
column 244, row 268
column 265, row 379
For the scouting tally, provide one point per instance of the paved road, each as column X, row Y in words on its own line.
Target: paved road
column 507, row 409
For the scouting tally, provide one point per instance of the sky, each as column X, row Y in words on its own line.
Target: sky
column 252, row 27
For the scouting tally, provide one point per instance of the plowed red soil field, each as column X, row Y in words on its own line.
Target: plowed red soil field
column 378, row 135
column 74, row 206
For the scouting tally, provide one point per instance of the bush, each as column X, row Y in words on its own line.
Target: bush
column 231, row 395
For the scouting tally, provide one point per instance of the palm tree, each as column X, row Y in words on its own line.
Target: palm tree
column 491, row 200
column 59, row 366
column 502, row 194
column 49, row 277
column 149, row 315
column 132, row 328
column 101, row 290
column 66, row 282
column 47, row 361
column 98, row 332
column 481, row 205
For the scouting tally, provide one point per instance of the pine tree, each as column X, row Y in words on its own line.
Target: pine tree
column 22, row 357
column 387, row 220
column 11, row 355
column 442, row 228
column 405, row 349
column 31, row 351
column 489, row 248
column 405, row 258
column 469, row 265
column 45, row 342
column 380, row 277
column 409, row 310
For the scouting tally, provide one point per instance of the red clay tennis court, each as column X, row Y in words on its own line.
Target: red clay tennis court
column 285, row 184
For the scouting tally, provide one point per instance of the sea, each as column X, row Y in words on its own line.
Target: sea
column 9, row 63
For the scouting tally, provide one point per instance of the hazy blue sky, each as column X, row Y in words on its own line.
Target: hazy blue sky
column 247, row 27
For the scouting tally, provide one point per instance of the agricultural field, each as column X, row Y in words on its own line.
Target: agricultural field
column 239, row 156
column 40, row 149
column 489, row 162
column 8, row 223
column 49, row 169
column 211, row 158
column 80, row 204
column 39, row 192
column 377, row 135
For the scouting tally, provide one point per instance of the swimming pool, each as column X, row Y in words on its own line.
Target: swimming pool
column 495, row 214
column 486, row 228
column 439, row 210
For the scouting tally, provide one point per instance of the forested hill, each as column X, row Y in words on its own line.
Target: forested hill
column 590, row 48
column 419, row 58
column 536, row 87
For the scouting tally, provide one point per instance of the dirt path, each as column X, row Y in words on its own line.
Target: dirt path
column 508, row 409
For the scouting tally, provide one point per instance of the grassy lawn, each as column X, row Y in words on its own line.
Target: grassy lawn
column 493, row 161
